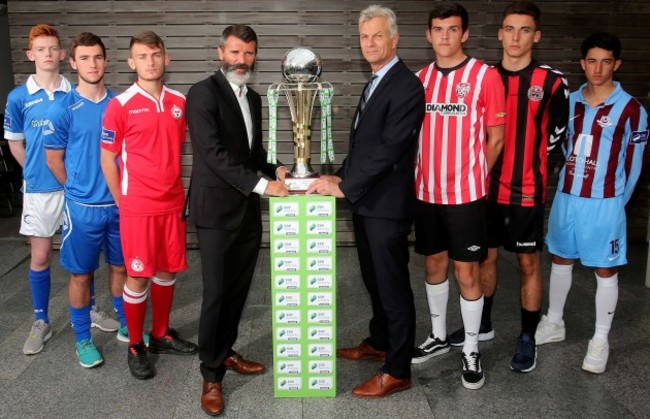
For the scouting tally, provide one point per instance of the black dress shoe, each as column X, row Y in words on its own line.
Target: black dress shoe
column 139, row 363
column 170, row 343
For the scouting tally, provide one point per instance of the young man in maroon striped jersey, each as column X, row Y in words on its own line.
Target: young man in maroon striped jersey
column 537, row 110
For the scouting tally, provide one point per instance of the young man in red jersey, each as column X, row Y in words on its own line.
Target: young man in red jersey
column 537, row 110
column 145, row 128
column 461, row 138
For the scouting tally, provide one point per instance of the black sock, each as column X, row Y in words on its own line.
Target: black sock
column 486, row 316
column 529, row 320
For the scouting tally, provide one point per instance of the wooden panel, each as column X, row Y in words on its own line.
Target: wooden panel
column 191, row 29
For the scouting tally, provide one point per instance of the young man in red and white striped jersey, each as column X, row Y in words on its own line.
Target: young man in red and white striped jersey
column 537, row 111
column 461, row 138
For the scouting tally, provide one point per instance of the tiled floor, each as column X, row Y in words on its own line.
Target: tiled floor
column 52, row 384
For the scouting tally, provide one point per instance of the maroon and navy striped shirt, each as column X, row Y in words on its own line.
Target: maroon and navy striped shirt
column 537, row 99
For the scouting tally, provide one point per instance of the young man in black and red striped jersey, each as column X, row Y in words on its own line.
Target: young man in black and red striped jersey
column 537, row 109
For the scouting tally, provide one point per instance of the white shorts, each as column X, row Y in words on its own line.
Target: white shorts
column 42, row 214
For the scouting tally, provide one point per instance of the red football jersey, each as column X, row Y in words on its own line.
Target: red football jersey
column 147, row 135
column 461, row 102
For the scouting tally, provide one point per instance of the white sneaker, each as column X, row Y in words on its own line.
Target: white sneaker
column 102, row 321
column 596, row 359
column 39, row 334
column 549, row 332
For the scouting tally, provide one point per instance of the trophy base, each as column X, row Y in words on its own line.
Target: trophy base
column 299, row 185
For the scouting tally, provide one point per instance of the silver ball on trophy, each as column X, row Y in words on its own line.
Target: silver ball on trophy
column 301, row 65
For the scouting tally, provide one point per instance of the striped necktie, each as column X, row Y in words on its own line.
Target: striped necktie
column 366, row 93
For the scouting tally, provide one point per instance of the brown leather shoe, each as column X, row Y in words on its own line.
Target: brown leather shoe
column 212, row 399
column 360, row 352
column 243, row 366
column 381, row 385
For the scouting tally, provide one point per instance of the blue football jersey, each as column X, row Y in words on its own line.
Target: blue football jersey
column 604, row 146
column 25, row 115
column 75, row 125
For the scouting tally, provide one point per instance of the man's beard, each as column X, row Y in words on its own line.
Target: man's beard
column 232, row 76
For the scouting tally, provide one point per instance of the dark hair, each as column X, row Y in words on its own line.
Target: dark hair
column 602, row 40
column 445, row 9
column 243, row 32
column 148, row 38
column 524, row 8
column 86, row 39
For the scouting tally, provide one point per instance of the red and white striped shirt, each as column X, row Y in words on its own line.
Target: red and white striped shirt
column 461, row 102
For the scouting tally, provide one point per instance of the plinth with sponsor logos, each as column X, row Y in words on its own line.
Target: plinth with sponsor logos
column 303, row 290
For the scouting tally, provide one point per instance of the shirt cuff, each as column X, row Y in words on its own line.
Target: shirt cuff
column 261, row 186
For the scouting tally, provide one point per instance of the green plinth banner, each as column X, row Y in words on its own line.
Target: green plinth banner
column 303, row 274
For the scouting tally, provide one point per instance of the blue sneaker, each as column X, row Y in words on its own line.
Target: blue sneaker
column 123, row 335
column 525, row 358
column 88, row 354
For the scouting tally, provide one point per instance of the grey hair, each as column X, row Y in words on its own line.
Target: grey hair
column 376, row 10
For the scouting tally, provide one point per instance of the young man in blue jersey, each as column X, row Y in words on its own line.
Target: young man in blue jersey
column 603, row 150
column 43, row 195
column 91, row 220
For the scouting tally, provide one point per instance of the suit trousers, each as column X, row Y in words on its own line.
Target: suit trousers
column 228, row 260
column 382, row 247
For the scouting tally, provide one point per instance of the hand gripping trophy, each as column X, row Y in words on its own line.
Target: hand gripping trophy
column 300, row 68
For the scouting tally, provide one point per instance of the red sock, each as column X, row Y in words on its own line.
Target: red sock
column 135, row 307
column 162, row 294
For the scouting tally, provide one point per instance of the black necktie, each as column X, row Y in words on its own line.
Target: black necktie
column 366, row 93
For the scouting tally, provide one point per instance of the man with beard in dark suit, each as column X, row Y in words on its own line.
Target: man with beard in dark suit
column 225, row 122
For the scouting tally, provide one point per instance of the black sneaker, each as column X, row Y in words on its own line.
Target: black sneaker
column 171, row 343
column 139, row 364
column 485, row 332
column 473, row 377
column 525, row 358
column 430, row 348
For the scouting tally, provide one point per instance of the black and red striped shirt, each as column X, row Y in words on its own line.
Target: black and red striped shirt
column 537, row 99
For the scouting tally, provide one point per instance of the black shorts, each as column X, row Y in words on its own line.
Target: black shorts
column 458, row 229
column 518, row 229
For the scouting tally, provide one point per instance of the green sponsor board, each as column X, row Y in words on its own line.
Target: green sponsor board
column 303, row 289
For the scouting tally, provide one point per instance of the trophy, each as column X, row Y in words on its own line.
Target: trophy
column 301, row 67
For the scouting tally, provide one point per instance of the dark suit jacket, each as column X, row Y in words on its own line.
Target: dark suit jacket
column 224, row 167
column 378, row 173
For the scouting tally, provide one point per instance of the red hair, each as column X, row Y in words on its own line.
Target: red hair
column 42, row 29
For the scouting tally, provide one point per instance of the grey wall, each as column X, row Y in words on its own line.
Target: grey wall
column 6, row 74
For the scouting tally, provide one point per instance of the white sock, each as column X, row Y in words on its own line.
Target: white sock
column 606, row 299
column 471, row 312
column 437, row 297
column 561, row 276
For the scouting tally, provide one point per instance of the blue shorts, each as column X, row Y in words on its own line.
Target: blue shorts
column 87, row 231
column 590, row 229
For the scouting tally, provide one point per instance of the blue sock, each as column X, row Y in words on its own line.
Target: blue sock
column 92, row 292
column 40, row 286
column 80, row 318
column 118, row 306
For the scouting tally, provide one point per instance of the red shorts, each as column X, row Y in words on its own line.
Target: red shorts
column 153, row 243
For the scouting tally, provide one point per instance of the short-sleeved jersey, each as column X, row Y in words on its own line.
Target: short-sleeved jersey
column 604, row 146
column 25, row 116
column 147, row 134
column 461, row 102
column 537, row 106
column 75, row 125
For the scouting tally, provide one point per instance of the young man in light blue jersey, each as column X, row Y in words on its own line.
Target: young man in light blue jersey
column 91, row 220
column 43, row 195
column 603, row 150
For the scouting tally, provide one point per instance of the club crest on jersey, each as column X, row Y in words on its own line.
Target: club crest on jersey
column 137, row 265
column 604, row 121
column 536, row 93
column 177, row 112
column 462, row 89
